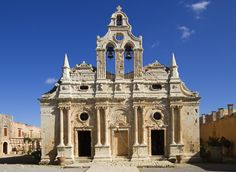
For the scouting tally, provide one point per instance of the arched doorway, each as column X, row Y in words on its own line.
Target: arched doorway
column 5, row 147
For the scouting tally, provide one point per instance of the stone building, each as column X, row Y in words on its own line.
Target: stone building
column 95, row 114
column 17, row 138
column 219, row 124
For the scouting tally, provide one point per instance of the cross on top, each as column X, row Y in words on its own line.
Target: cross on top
column 118, row 8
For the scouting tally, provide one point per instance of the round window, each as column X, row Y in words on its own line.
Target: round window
column 157, row 116
column 84, row 116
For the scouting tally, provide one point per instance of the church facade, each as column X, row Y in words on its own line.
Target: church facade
column 97, row 115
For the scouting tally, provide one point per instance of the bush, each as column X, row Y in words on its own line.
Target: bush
column 214, row 141
column 225, row 142
column 36, row 155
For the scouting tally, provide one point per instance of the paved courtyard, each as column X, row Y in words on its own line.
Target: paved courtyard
column 27, row 164
column 178, row 168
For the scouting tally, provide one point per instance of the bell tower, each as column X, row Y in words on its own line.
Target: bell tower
column 121, row 44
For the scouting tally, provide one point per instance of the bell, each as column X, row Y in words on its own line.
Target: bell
column 110, row 54
column 128, row 55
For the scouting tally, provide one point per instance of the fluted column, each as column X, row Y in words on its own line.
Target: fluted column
column 180, row 125
column 98, row 128
column 143, row 128
column 69, row 126
column 106, row 143
column 172, row 125
column 135, row 125
column 61, row 128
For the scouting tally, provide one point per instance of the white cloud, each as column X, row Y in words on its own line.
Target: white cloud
column 199, row 6
column 51, row 81
column 155, row 44
column 185, row 32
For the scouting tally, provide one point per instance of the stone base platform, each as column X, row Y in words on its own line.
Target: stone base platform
column 139, row 164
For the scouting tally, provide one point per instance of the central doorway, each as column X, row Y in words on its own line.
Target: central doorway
column 5, row 147
column 120, row 143
column 84, row 140
column 157, row 141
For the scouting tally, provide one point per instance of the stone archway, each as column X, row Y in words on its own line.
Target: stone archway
column 5, row 147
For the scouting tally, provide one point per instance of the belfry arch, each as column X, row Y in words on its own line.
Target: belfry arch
column 121, row 45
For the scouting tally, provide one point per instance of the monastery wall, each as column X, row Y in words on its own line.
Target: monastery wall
column 219, row 124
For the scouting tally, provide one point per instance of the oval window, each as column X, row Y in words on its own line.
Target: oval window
column 156, row 86
column 119, row 37
column 84, row 116
column 157, row 116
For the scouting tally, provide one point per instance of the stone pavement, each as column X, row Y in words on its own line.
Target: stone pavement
column 204, row 167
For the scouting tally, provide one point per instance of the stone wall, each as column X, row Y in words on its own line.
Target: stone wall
column 219, row 124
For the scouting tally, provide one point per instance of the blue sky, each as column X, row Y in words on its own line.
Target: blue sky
column 35, row 35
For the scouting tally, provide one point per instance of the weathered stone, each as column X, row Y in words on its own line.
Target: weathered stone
column 145, row 114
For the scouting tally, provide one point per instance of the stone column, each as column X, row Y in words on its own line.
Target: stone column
column 106, row 143
column 69, row 126
column 101, row 63
column 61, row 128
column 138, row 62
column 135, row 125
column 119, row 53
column 172, row 125
column 180, row 125
column 98, row 128
column 143, row 128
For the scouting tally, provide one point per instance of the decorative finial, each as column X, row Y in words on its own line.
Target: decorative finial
column 66, row 63
column 118, row 8
column 173, row 62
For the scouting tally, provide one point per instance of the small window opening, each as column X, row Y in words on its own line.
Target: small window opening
column 5, row 131
column 156, row 86
column 84, row 116
column 84, row 87
column 119, row 21
column 157, row 116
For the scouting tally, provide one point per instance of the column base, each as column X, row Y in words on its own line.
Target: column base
column 176, row 149
column 140, row 152
column 102, row 153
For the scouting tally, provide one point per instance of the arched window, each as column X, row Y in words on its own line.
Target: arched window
column 128, row 56
column 110, row 62
column 119, row 21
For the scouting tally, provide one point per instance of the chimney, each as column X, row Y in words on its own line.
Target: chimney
column 221, row 113
column 213, row 113
column 230, row 109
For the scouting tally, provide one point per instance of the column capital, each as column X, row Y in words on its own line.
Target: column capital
column 98, row 107
column 100, row 49
column 64, row 105
column 138, row 49
column 176, row 106
column 119, row 49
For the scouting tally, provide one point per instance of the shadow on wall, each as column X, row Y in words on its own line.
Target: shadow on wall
column 24, row 159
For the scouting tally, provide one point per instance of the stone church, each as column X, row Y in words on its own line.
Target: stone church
column 96, row 115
